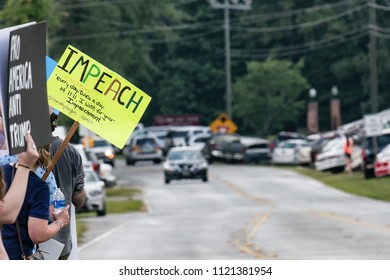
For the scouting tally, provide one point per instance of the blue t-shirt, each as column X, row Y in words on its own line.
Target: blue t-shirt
column 36, row 204
column 51, row 181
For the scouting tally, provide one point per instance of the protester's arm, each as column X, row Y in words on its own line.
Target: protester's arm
column 40, row 231
column 79, row 196
column 14, row 198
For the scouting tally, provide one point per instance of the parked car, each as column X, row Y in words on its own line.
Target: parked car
column 382, row 162
column 103, row 150
column 257, row 149
column 304, row 154
column 227, row 147
column 286, row 152
column 185, row 163
column 142, row 146
column 368, row 153
column 176, row 137
column 332, row 157
column 201, row 140
column 103, row 170
column 96, row 193
column 320, row 142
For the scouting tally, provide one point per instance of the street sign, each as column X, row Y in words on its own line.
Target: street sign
column 223, row 124
column 373, row 125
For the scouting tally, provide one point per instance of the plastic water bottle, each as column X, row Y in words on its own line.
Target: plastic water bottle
column 58, row 201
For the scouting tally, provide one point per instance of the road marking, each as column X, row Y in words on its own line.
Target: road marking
column 349, row 220
column 257, row 227
column 243, row 241
column 243, row 193
column 104, row 235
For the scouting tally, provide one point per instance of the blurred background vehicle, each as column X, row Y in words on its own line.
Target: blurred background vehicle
column 227, row 147
column 257, row 150
column 143, row 146
column 185, row 163
column 102, row 169
column 96, row 193
column 304, row 154
column 201, row 140
column 332, row 157
column 176, row 137
column 317, row 144
column 286, row 152
column 102, row 149
column 287, row 135
column 382, row 162
column 368, row 151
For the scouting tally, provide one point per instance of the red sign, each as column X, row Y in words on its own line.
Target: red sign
column 381, row 169
column 177, row 120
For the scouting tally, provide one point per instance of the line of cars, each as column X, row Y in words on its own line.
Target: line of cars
column 98, row 169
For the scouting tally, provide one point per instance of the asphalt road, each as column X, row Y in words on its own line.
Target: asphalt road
column 243, row 213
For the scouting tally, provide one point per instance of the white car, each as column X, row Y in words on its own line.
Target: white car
column 103, row 150
column 96, row 193
column 286, row 152
column 304, row 154
column 332, row 157
column 103, row 170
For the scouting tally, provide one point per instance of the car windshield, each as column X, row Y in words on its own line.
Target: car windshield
column 202, row 140
column 90, row 176
column 100, row 143
column 184, row 155
column 146, row 141
column 288, row 145
column 382, row 141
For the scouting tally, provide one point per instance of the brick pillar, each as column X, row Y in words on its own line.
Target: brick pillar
column 335, row 114
column 312, row 117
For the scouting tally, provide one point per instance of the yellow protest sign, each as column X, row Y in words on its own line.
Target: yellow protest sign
column 100, row 99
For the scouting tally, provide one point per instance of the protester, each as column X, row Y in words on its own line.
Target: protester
column 33, row 218
column 348, row 148
column 11, row 202
column 69, row 174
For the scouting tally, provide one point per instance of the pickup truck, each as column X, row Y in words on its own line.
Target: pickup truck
column 227, row 147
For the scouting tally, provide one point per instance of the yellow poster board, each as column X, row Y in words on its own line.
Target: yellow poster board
column 98, row 98
column 223, row 124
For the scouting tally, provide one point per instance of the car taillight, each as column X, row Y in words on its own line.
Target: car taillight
column 96, row 167
column 136, row 148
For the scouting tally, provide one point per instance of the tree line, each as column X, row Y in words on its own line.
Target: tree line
column 174, row 50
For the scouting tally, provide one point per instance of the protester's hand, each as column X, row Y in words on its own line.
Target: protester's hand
column 63, row 216
column 30, row 156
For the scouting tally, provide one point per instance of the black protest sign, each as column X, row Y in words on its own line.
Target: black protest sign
column 27, row 92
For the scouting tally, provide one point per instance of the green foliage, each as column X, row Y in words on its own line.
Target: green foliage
column 174, row 51
column 268, row 95
column 16, row 12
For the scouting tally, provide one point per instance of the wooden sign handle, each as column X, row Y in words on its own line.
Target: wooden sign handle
column 60, row 150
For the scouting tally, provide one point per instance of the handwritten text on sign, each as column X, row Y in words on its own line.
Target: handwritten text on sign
column 95, row 96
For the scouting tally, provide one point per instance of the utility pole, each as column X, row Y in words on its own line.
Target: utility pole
column 373, row 58
column 228, row 5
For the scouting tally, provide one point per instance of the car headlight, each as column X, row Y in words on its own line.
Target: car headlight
column 109, row 153
column 169, row 167
column 200, row 165
column 96, row 192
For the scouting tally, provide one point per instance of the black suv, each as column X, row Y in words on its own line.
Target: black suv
column 368, row 154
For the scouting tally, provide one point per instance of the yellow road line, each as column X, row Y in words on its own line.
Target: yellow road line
column 349, row 220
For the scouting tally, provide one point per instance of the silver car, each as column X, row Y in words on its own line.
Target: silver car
column 143, row 146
